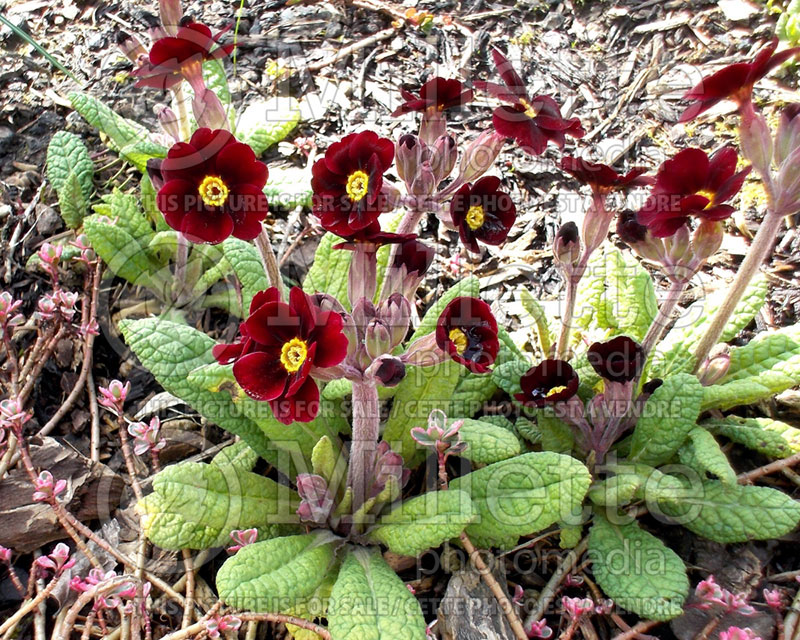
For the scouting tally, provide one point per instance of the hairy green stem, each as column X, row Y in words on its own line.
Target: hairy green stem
column 759, row 250
column 408, row 224
column 664, row 315
column 271, row 268
column 366, row 426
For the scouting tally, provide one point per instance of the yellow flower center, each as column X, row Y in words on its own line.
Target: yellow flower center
column 213, row 191
column 459, row 338
column 475, row 217
column 294, row 354
column 357, row 185
column 530, row 110
column 555, row 390
column 709, row 195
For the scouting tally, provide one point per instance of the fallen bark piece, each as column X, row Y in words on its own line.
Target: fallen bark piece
column 469, row 610
column 93, row 492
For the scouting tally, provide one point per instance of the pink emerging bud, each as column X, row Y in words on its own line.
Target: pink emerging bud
column 218, row 623
column 113, row 396
column 146, row 436
column 46, row 488
column 242, row 538
column 735, row 633
column 773, row 599
column 5, row 555
column 577, row 607
column 445, row 439
column 57, row 561
column 539, row 629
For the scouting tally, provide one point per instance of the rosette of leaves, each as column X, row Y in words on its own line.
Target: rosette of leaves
column 313, row 546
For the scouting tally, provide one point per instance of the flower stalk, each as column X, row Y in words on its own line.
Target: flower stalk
column 268, row 259
column 366, row 426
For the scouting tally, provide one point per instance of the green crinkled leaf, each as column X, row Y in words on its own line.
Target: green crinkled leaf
column 329, row 272
column 66, row 154
column 669, row 415
column 735, row 513
column 170, row 351
column 528, row 430
column 788, row 27
column 768, row 364
column 265, row 123
column 420, row 392
column 471, row 392
column 507, row 375
column 487, row 443
column 288, row 187
column 127, row 137
column 198, row 505
column 424, row 522
column 702, row 453
column 369, row 602
column 239, row 455
column 71, row 201
column 773, row 438
column 634, row 482
column 537, row 313
column 637, row 571
column 274, row 575
column 246, row 263
column 523, row 495
column 120, row 251
column 569, row 535
column 124, row 210
column 675, row 353
column 616, row 294
column 556, row 434
column 468, row 287
column 296, row 439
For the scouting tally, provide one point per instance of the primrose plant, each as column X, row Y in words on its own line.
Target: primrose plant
column 333, row 387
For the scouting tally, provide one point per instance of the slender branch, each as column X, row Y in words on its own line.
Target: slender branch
column 188, row 604
column 84, row 599
column 566, row 319
column 29, row 606
column 90, row 304
column 502, row 599
column 758, row 252
column 38, row 365
column 549, row 592
column 772, row 467
column 636, row 630
column 408, row 224
column 94, row 438
column 127, row 454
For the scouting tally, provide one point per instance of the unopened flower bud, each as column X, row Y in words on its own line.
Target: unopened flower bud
column 638, row 237
column 788, row 137
column 678, row 244
column 390, row 195
column 154, row 173
column 395, row 313
column 707, row 239
column 168, row 121
column 209, row 111
column 389, row 370
column 443, row 158
column 378, row 339
column 480, row 155
column 567, row 244
column 755, row 139
column 316, row 500
column 424, row 181
column 409, row 154
column 714, row 368
column 130, row 46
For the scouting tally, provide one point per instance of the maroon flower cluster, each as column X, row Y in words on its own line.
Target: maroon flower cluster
column 547, row 383
column 602, row 178
column 734, row 82
column 279, row 348
column 531, row 121
column 467, row 332
column 347, row 185
column 438, row 94
column 692, row 185
column 170, row 56
column 482, row 212
column 211, row 187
